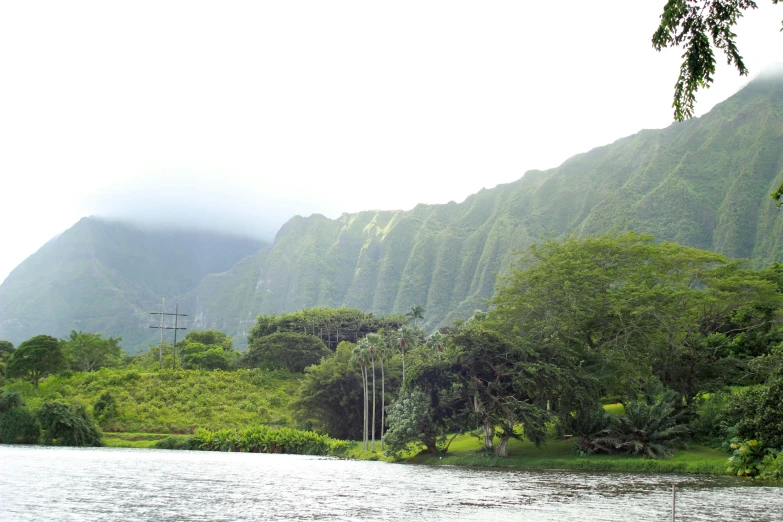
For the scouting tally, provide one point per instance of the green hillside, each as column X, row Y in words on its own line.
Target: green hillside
column 703, row 183
column 174, row 401
column 105, row 276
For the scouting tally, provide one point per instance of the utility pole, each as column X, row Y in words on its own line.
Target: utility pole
column 163, row 326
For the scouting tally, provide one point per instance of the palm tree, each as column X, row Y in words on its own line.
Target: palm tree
column 373, row 340
column 416, row 312
column 360, row 357
column 405, row 338
column 378, row 344
column 436, row 341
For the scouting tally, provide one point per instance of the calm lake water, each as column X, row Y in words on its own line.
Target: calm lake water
column 40, row 483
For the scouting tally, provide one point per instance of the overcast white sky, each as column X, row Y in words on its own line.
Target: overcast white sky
column 240, row 115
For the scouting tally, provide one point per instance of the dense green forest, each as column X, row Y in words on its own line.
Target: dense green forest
column 613, row 344
column 704, row 183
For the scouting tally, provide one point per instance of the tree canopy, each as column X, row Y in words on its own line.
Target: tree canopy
column 285, row 350
column 331, row 325
column 35, row 358
column 88, row 352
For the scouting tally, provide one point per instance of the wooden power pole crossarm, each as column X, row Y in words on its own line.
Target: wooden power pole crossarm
column 163, row 326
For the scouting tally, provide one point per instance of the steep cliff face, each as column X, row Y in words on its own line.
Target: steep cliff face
column 704, row 183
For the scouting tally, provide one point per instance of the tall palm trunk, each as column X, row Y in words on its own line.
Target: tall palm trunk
column 372, row 360
column 364, row 408
column 403, row 366
column 383, row 402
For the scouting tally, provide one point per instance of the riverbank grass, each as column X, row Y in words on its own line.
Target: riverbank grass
column 560, row 454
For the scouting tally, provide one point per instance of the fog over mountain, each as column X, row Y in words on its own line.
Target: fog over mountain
column 197, row 201
column 240, row 117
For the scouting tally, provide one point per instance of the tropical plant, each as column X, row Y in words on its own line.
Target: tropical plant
column 436, row 342
column 653, row 429
column 405, row 338
column 502, row 384
column 415, row 313
column 750, row 458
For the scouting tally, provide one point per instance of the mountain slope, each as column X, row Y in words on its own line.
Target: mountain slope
column 104, row 276
column 704, row 183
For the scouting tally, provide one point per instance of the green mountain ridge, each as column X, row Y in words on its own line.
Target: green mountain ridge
column 704, row 183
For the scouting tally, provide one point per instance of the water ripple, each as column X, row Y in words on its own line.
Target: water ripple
column 44, row 483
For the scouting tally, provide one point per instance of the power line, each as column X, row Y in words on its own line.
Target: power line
column 163, row 326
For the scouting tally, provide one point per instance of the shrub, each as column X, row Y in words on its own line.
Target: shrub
column 105, row 407
column 749, row 458
column 773, row 466
column 19, row 426
column 68, row 425
column 263, row 439
column 9, row 400
column 757, row 413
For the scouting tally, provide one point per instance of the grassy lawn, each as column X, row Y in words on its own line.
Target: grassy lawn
column 132, row 440
column 561, row 454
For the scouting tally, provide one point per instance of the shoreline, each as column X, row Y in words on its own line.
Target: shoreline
column 555, row 455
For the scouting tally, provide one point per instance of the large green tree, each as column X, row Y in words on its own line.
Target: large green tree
column 331, row 325
column 506, row 384
column 35, row 358
column 88, row 352
column 700, row 26
column 632, row 308
column 285, row 350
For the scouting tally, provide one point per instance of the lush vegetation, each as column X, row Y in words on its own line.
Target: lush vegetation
column 259, row 439
column 55, row 422
column 614, row 346
column 667, row 329
column 172, row 401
